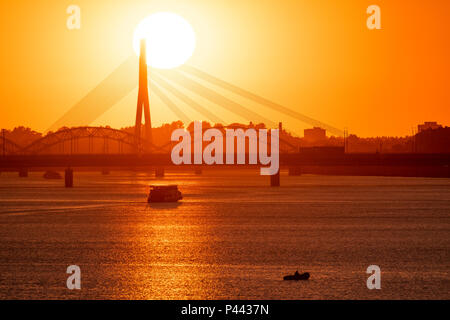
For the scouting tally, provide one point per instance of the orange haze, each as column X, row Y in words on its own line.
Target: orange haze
column 316, row 57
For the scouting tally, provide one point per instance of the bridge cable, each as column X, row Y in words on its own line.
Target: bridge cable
column 211, row 95
column 166, row 100
column 177, row 93
column 251, row 96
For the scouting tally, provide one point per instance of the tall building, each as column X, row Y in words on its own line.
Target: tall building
column 428, row 125
column 433, row 140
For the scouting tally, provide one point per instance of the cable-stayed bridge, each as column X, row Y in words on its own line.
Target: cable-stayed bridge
column 107, row 147
column 177, row 88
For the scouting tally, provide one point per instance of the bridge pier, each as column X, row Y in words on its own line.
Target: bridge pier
column 68, row 178
column 159, row 172
column 23, row 172
column 295, row 171
column 275, row 179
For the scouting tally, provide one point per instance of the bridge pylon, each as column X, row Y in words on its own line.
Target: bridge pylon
column 143, row 102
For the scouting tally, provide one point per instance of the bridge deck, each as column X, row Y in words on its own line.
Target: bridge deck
column 145, row 160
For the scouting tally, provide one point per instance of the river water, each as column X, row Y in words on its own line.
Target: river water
column 231, row 237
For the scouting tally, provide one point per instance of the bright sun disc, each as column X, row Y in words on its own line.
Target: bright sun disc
column 169, row 38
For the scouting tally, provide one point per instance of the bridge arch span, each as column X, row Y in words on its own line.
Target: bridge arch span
column 73, row 135
column 8, row 147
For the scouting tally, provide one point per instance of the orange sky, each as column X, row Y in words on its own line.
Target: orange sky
column 316, row 57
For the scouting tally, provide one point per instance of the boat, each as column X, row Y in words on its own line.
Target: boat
column 51, row 175
column 164, row 194
column 298, row 276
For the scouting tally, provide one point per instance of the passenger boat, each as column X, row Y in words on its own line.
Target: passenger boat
column 164, row 194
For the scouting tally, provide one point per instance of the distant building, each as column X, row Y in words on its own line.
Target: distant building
column 315, row 134
column 428, row 125
column 433, row 141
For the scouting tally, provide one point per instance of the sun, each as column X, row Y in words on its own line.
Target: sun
column 170, row 40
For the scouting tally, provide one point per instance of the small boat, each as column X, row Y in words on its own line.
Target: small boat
column 164, row 194
column 297, row 276
column 51, row 175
